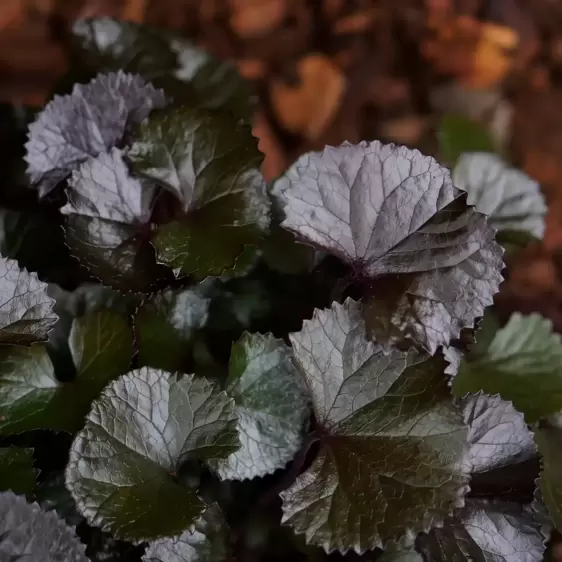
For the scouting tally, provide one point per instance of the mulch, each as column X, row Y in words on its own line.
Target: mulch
column 333, row 70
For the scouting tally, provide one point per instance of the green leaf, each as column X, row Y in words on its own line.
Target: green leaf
column 29, row 533
column 108, row 223
column 425, row 263
column 51, row 494
column 165, row 325
column 399, row 554
column 144, row 426
column 187, row 73
column 486, row 532
column 521, row 364
column 392, row 442
column 31, row 396
column 271, row 404
column 458, row 134
column 211, row 164
column 549, row 443
column 26, row 314
column 510, row 198
column 205, row 541
column 16, row 470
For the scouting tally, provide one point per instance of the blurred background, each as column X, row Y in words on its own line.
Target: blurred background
column 333, row 70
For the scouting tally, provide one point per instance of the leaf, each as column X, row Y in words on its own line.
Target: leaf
column 392, row 442
column 428, row 263
column 27, row 532
column 166, row 323
column 92, row 119
column 399, row 554
column 204, row 542
column 187, row 73
column 26, row 314
column 31, row 396
column 511, row 199
column 521, row 364
column 549, row 443
column 211, row 164
column 16, row 470
column 271, row 405
column 487, row 532
column 458, row 134
column 498, row 435
column 143, row 427
column 108, row 223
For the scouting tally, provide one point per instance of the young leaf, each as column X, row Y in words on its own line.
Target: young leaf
column 430, row 263
column 521, row 364
column 392, row 442
column 458, row 134
column 271, row 405
column 91, row 120
column 31, row 396
column 189, row 74
column 165, row 324
column 29, row 533
column 510, row 198
column 211, row 164
column 205, row 541
column 107, row 229
column 16, row 470
column 26, row 314
column 486, row 531
column 143, row 427
column 549, row 443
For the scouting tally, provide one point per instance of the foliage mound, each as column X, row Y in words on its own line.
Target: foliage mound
column 198, row 366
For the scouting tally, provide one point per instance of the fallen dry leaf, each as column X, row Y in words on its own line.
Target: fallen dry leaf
column 252, row 18
column 275, row 161
column 11, row 13
column 309, row 107
column 493, row 57
column 134, row 10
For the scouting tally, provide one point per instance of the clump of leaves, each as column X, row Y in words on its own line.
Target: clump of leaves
column 243, row 372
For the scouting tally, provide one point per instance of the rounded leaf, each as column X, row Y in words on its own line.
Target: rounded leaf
column 429, row 262
column 26, row 310
column 108, row 223
column 210, row 162
column 271, row 404
column 510, row 198
column 140, row 431
column 390, row 463
column 29, row 533
column 521, row 364
column 487, row 532
column 91, row 120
